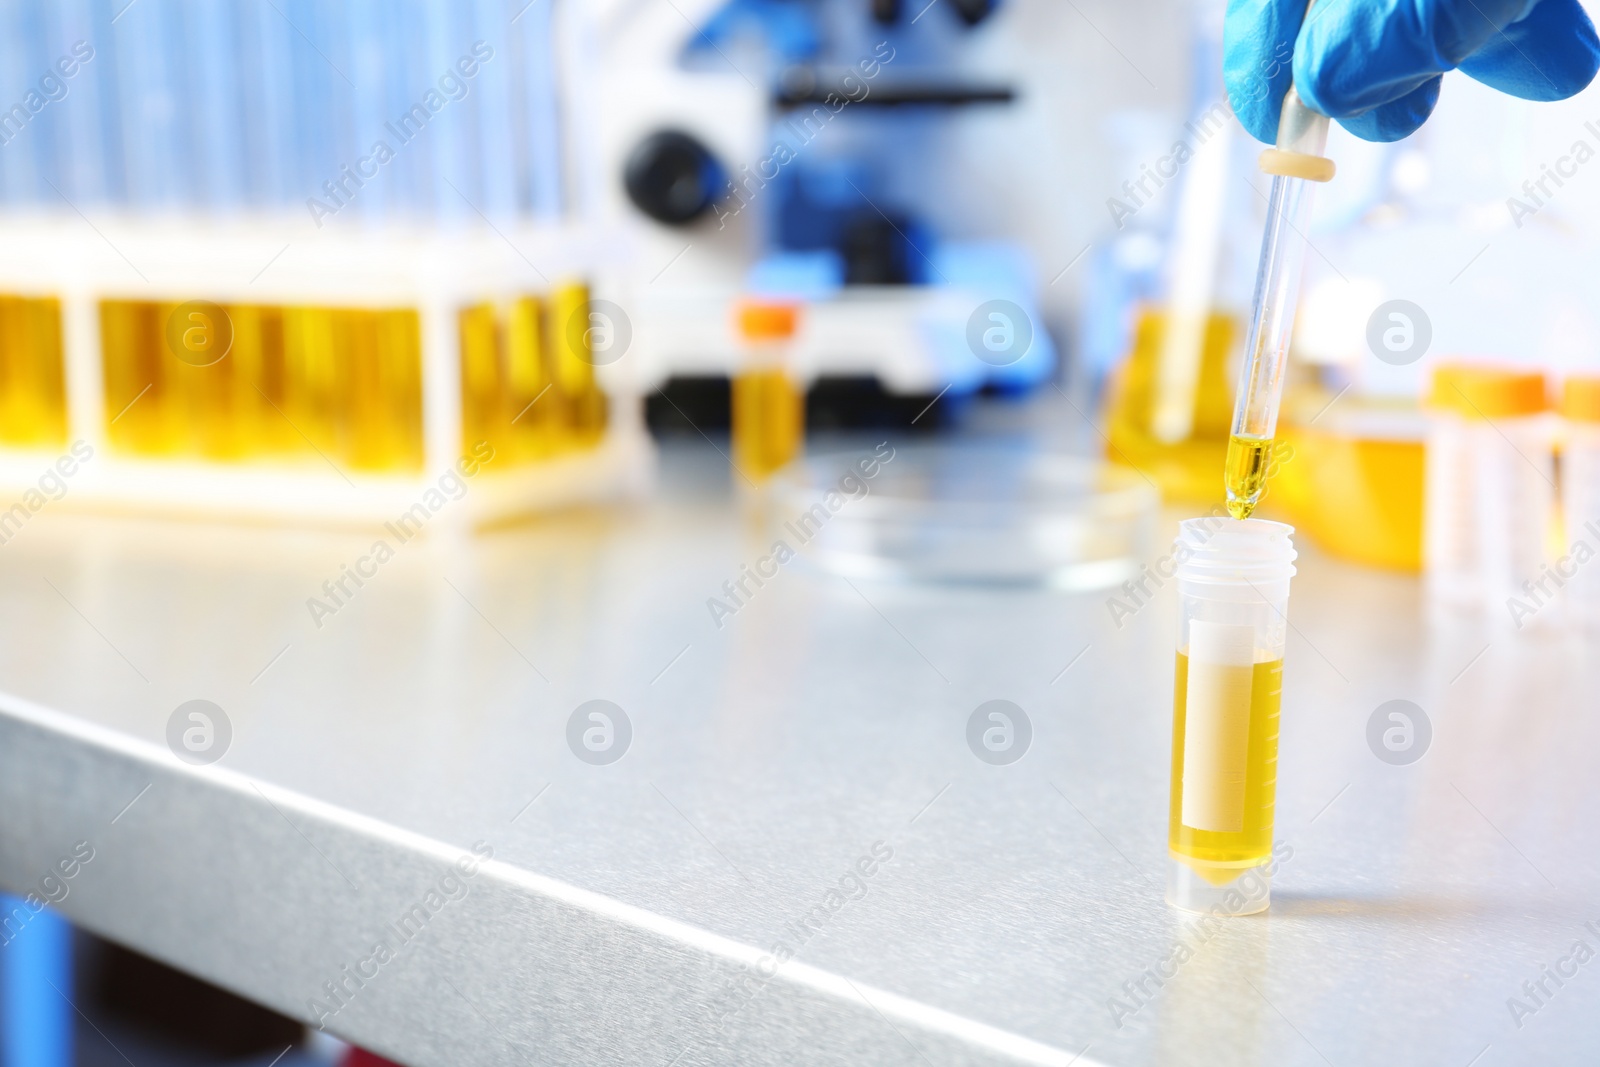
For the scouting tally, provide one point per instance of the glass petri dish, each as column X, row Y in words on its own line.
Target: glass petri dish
column 964, row 513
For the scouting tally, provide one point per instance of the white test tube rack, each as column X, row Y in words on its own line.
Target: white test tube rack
column 280, row 262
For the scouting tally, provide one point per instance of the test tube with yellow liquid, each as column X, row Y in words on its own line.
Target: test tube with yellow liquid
column 199, row 380
column 311, row 379
column 482, row 387
column 379, row 356
column 769, row 414
column 132, row 347
column 578, row 343
column 33, row 405
column 534, row 420
column 1233, row 581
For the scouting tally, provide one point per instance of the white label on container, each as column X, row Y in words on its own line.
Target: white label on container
column 1216, row 725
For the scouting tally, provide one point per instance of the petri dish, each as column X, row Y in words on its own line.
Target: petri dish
column 964, row 513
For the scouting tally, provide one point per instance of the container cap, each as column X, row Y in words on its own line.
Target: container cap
column 761, row 320
column 1486, row 391
column 1580, row 398
column 1220, row 550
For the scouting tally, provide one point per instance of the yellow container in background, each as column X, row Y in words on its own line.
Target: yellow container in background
column 769, row 405
column 1190, row 469
column 1352, row 481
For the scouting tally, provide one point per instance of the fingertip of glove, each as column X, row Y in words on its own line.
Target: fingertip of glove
column 1317, row 86
column 1257, row 114
column 1398, row 118
column 1551, row 54
column 1258, row 46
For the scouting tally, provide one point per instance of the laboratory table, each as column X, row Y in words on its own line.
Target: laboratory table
column 785, row 849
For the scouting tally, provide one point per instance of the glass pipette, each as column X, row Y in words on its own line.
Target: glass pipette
column 1294, row 163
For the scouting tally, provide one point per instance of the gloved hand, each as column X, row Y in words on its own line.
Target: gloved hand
column 1375, row 65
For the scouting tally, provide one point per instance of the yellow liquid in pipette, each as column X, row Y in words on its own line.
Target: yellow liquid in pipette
column 1245, row 475
column 1218, row 856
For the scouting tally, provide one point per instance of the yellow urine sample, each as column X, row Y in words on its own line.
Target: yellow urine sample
column 1245, row 476
column 768, row 421
column 33, row 399
column 1224, row 766
column 1185, row 469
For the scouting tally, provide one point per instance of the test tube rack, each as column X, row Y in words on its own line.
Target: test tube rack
column 273, row 373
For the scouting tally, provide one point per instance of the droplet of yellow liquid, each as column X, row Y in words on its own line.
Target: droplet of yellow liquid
column 1245, row 475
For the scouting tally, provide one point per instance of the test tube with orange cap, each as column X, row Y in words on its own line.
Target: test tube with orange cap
column 768, row 404
column 1580, row 494
column 1490, row 489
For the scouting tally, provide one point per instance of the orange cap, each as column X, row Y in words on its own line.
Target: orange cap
column 768, row 321
column 1580, row 398
column 1486, row 391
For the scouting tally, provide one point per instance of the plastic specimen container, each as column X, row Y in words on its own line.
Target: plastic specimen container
column 1490, row 488
column 1184, row 469
column 1353, row 481
column 1580, row 496
column 1233, row 585
column 768, row 402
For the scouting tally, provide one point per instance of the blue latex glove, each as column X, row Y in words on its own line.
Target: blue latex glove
column 1375, row 65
